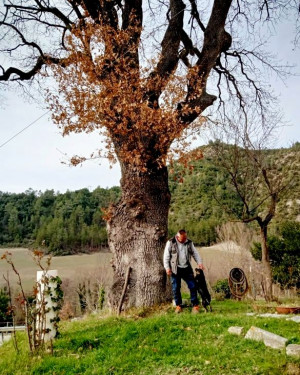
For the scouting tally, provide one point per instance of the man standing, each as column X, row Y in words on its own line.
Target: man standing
column 177, row 262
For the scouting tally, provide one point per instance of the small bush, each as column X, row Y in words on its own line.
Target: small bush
column 222, row 290
column 284, row 258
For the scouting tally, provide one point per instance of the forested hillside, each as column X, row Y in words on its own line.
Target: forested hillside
column 203, row 195
column 199, row 199
column 62, row 223
column 202, row 198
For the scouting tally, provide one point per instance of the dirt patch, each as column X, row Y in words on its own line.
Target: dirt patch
column 292, row 369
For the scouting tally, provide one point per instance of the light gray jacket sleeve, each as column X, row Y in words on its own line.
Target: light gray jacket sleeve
column 167, row 256
column 196, row 255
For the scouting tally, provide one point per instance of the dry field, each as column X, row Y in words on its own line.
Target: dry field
column 218, row 261
column 72, row 267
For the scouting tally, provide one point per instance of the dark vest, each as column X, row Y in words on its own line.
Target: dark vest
column 174, row 253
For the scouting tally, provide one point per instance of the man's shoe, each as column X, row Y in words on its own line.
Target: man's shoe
column 178, row 310
column 195, row 310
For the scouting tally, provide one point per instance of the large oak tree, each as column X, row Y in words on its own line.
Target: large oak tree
column 138, row 72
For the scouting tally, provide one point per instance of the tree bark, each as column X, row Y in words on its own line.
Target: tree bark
column 266, row 264
column 137, row 233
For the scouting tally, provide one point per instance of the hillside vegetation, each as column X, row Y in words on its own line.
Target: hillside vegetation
column 63, row 223
column 160, row 342
column 202, row 199
column 203, row 196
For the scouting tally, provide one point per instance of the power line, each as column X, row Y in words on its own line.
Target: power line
column 26, row 127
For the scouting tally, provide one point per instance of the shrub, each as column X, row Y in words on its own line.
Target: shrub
column 221, row 288
column 283, row 252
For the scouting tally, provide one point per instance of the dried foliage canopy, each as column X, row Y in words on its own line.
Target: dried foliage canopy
column 137, row 71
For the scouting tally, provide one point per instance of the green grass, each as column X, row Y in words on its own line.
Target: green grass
column 160, row 342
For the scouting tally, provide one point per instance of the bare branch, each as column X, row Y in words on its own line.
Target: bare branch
column 216, row 40
column 195, row 14
column 15, row 74
column 76, row 9
column 42, row 10
column 31, row 44
column 169, row 54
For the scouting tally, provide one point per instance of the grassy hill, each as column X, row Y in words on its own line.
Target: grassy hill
column 160, row 342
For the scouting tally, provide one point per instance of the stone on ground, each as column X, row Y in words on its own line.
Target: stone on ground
column 269, row 339
column 295, row 319
column 293, row 349
column 235, row 330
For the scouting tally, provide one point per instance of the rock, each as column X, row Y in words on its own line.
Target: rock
column 295, row 319
column 269, row 339
column 276, row 316
column 235, row 330
column 293, row 349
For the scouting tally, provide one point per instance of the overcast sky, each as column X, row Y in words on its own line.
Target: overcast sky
column 33, row 158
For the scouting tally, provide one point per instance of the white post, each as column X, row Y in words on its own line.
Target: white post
column 45, row 323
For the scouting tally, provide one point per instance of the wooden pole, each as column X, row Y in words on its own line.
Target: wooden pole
column 124, row 290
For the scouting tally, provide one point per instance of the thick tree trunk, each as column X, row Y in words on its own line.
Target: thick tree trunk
column 137, row 233
column 266, row 264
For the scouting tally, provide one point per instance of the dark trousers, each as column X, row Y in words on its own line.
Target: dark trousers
column 188, row 276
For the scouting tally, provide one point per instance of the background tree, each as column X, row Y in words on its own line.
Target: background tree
column 60, row 223
column 114, row 78
column 284, row 250
column 259, row 180
column 193, row 187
